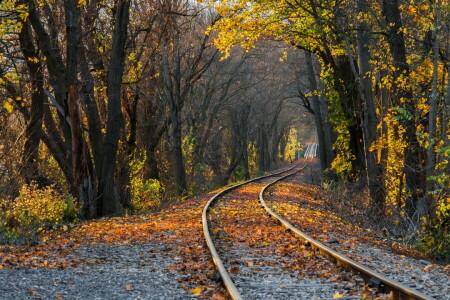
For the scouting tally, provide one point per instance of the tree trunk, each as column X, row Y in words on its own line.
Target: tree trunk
column 151, row 169
column 107, row 196
column 33, row 131
column 324, row 162
column 329, row 136
column 370, row 121
column 152, row 135
column 416, row 206
column 128, row 151
column 81, row 168
column 91, row 110
column 446, row 113
column 177, row 151
column 262, row 149
column 432, row 116
column 83, row 183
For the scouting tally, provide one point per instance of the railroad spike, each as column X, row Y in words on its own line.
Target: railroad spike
column 375, row 281
column 218, row 277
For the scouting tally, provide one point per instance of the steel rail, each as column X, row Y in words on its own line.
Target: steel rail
column 398, row 290
column 229, row 284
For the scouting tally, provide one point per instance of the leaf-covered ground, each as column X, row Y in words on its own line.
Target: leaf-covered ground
column 299, row 203
column 179, row 229
column 255, row 248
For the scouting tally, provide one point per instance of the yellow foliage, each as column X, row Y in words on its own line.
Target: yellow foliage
column 146, row 195
column 394, row 143
column 35, row 206
column 9, row 108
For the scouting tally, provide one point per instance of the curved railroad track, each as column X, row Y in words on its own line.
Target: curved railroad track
column 245, row 289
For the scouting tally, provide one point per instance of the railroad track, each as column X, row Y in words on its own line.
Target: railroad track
column 228, row 202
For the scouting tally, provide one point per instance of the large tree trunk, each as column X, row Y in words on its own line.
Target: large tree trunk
column 83, row 183
column 416, row 206
column 33, row 131
column 175, row 100
column 325, row 161
column 81, row 167
column 91, row 110
column 369, row 125
column 177, row 151
column 107, row 196
column 446, row 113
column 57, row 78
column 432, row 116
column 55, row 65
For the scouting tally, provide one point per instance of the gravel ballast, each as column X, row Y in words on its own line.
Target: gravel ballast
column 119, row 272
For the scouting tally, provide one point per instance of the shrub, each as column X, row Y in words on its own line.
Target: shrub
column 146, row 194
column 435, row 237
column 34, row 207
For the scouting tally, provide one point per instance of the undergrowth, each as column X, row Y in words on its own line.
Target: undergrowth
column 351, row 202
column 21, row 218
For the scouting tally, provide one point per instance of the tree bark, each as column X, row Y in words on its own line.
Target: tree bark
column 177, row 151
column 107, row 197
column 416, row 205
column 370, row 121
column 91, row 110
column 325, row 162
column 82, row 171
column 33, row 131
column 432, row 115
column 84, row 185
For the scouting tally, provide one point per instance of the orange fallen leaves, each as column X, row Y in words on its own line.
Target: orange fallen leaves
column 428, row 267
column 217, row 297
column 196, row 291
column 178, row 227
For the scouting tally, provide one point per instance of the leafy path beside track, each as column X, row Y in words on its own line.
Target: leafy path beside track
column 173, row 236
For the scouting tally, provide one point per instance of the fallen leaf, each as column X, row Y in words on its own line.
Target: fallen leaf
column 196, row 291
column 217, row 297
column 128, row 287
column 427, row 268
column 337, row 295
column 59, row 297
column 31, row 291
